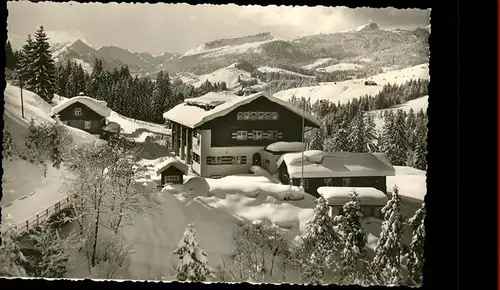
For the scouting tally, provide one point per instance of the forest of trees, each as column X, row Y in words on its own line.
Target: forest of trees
column 350, row 126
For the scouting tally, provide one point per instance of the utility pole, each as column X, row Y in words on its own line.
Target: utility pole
column 21, row 86
column 304, row 148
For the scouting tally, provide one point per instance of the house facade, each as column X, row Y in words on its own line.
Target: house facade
column 83, row 113
column 220, row 134
column 335, row 169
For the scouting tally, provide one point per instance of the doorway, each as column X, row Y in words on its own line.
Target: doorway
column 256, row 159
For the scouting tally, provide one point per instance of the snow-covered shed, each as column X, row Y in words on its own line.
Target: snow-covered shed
column 371, row 200
column 172, row 171
column 82, row 112
column 344, row 169
column 272, row 152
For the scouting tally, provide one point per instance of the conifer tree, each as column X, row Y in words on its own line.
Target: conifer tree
column 397, row 140
column 319, row 246
column 389, row 248
column 416, row 253
column 317, row 140
column 11, row 257
column 371, row 134
column 420, row 153
column 10, row 57
column 340, row 140
column 26, row 61
column 43, row 67
column 193, row 263
column 353, row 262
column 357, row 141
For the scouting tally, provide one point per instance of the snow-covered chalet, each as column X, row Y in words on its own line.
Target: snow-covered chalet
column 221, row 134
column 83, row 113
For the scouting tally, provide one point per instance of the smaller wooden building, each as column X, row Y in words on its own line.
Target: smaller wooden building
column 172, row 171
column 340, row 169
column 83, row 113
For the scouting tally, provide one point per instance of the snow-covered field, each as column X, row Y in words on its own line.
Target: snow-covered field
column 129, row 125
column 347, row 90
column 266, row 69
column 228, row 49
column 228, row 74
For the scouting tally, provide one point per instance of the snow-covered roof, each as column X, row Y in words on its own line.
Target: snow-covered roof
column 282, row 146
column 318, row 164
column 100, row 107
column 341, row 195
column 193, row 114
column 171, row 161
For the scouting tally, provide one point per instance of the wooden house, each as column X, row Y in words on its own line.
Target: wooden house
column 343, row 169
column 171, row 171
column 220, row 134
column 83, row 113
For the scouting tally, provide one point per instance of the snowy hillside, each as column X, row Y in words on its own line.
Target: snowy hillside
column 418, row 104
column 347, row 90
column 318, row 63
column 226, row 50
column 266, row 69
column 229, row 75
column 341, row 67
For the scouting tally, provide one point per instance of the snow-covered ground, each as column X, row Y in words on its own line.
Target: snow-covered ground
column 410, row 181
column 341, row 67
column 347, row 90
column 266, row 69
column 228, row 74
column 418, row 104
column 129, row 125
column 216, row 206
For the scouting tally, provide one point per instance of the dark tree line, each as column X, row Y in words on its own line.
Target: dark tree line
column 351, row 127
column 139, row 98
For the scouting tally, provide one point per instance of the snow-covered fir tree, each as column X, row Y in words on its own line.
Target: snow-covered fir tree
column 416, row 253
column 411, row 124
column 317, row 140
column 33, row 143
column 387, row 131
column 357, row 134
column 11, row 257
column 371, row 134
column 353, row 262
column 395, row 139
column 26, row 61
column 340, row 140
column 57, row 141
column 420, row 153
column 52, row 261
column 193, row 262
column 389, row 249
column 162, row 95
column 318, row 249
column 43, row 69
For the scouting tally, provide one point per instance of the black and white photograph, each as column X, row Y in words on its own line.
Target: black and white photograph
column 215, row 143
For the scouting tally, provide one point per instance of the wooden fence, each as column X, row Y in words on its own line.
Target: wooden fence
column 42, row 216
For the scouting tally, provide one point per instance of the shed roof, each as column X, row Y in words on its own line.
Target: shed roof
column 318, row 164
column 194, row 112
column 341, row 195
column 169, row 162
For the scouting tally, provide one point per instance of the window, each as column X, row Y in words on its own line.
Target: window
column 346, row 182
column 226, row 160
column 257, row 116
column 257, row 135
column 196, row 158
column 87, row 125
column 241, row 135
column 272, row 135
column 78, row 112
column 171, row 179
column 327, row 182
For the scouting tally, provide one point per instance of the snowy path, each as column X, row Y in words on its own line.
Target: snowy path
column 46, row 195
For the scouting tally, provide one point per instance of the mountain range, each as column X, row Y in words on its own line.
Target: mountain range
column 368, row 45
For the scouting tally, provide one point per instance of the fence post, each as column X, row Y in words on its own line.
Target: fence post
column 27, row 225
column 37, row 220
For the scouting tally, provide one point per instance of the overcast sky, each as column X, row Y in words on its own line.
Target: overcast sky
column 157, row 28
